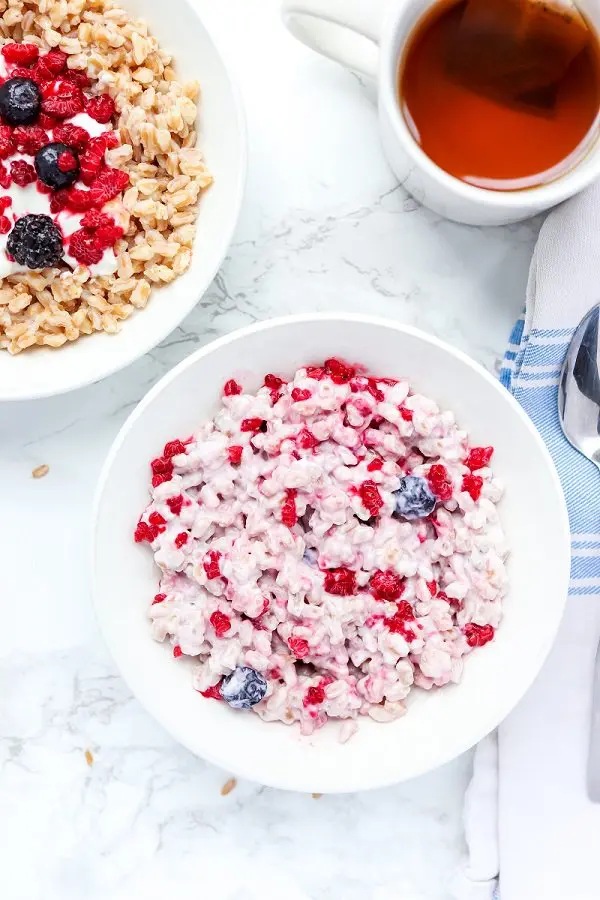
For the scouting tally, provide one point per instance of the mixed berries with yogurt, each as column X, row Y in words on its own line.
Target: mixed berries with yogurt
column 59, row 200
column 326, row 544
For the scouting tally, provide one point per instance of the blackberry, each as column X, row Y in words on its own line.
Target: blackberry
column 414, row 498
column 57, row 165
column 244, row 688
column 35, row 242
column 20, row 101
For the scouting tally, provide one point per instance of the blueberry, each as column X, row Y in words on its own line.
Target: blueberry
column 311, row 556
column 35, row 242
column 20, row 101
column 243, row 688
column 48, row 169
column 414, row 498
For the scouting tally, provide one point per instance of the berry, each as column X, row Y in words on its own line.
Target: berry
column 161, row 466
column 157, row 520
column 20, row 101
column 21, row 172
column 375, row 392
column 93, row 219
column 73, row 135
column 397, row 624
column 414, row 498
column 406, row 413
column 273, row 382
column 84, row 247
column 47, row 122
column 232, row 388
column 370, row 496
column 181, row 539
column 20, row 54
column 306, row 440
column 299, row 647
column 30, row 138
column 144, row 532
column 289, row 516
column 386, row 585
column 341, row 582
column 472, row 484
column 432, row 587
column 62, row 98
column 479, row 457
column 75, row 76
column 211, row 564
column 251, row 424
column 7, row 144
column 244, row 688
column 298, row 394
column 56, row 165
column 221, row 623
column 92, row 159
column 478, row 635
column 235, row 454
column 339, row 372
column 107, row 235
column 439, row 482
column 58, row 200
column 177, row 651
column 310, row 557
column 315, row 372
column 50, row 65
column 159, row 598
column 108, row 185
column 101, row 108
column 175, row 504
column 160, row 479
column 314, row 696
column 35, row 242
column 213, row 692
column 5, row 225
column 173, row 448
column 5, row 179
column 78, row 200
column 375, row 465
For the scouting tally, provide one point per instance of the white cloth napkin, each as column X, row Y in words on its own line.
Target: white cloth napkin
column 530, row 812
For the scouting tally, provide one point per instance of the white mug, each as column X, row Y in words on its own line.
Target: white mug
column 369, row 36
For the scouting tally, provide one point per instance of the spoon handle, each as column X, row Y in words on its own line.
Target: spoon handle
column 593, row 772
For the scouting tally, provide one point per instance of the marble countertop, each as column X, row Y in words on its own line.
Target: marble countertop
column 96, row 801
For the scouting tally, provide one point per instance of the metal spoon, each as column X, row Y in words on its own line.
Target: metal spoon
column 579, row 415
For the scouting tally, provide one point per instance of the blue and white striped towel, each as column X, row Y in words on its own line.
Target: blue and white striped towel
column 526, row 811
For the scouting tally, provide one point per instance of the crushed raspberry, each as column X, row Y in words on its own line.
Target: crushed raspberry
column 92, row 159
column 289, row 516
column 213, row 692
column 62, row 98
column 157, row 520
column 177, row 651
column 30, row 138
column 273, row 382
column 181, row 539
column 386, row 585
column 5, row 179
column 306, row 440
column 76, row 76
column 274, row 674
column 298, row 394
column 72, row 135
column 432, row 587
column 472, row 484
column 478, row 635
column 299, row 647
column 315, row 372
column 370, row 496
column 173, row 448
column 232, row 388
column 5, row 202
column 375, row 465
column 107, row 236
column 398, row 622
column 161, row 478
column 439, row 482
column 66, row 161
column 339, row 372
column 7, row 144
column 94, row 218
column 341, row 582
column 48, row 123
column 78, row 200
column 144, row 532
column 175, row 504
column 211, row 564
column 108, row 185
column 22, row 173
column 58, row 200
column 235, row 454
column 406, row 413
column 160, row 466
column 20, row 54
column 51, row 65
column 85, row 248
column 479, row 457
column 453, row 602
column 5, row 225
column 251, row 424
column 375, row 392
column 220, row 622
column 314, row 696
column 159, row 598
column 101, row 108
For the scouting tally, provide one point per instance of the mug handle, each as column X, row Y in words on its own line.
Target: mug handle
column 346, row 31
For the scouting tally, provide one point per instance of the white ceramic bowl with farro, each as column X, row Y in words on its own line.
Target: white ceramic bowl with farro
column 167, row 260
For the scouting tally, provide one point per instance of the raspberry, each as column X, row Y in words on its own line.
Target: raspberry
column 314, row 696
column 472, row 484
column 5, row 225
column 73, row 135
column 24, row 72
column 58, row 200
column 62, row 98
column 386, row 585
column 161, row 466
column 51, row 65
column 341, row 582
column 22, row 173
column 398, row 622
column 66, row 161
column 340, row 373
column 220, row 622
column 157, row 520
column 177, row 651
column 5, row 179
column 306, row 440
column 173, row 448
column 107, row 235
column 273, row 382
column 235, row 454
column 299, row 647
column 315, row 372
column 78, row 200
column 20, row 54
column 440, row 485
column 375, row 465
column 479, row 457
column 251, row 424
column 160, row 479
column 47, row 122
column 232, row 388
column 108, row 185
column 478, row 635
column 84, row 247
column 5, row 202
column 298, row 394
column 289, row 516
column 181, row 539
column 175, row 504
column 95, row 219
column 75, row 76
column 144, row 532
column 7, row 144
column 370, row 496
column 30, row 138
column 101, row 108
column 213, row 692
column 372, row 389
column 159, row 598
column 211, row 564
column 92, row 159
column 432, row 587
column 406, row 413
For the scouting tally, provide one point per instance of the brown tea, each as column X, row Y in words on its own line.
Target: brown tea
column 500, row 102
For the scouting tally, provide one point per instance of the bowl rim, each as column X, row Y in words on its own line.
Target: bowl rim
column 488, row 721
column 145, row 346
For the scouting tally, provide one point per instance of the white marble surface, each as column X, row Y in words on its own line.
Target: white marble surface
column 324, row 228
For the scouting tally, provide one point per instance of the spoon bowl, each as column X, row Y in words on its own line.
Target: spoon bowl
column 579, row 388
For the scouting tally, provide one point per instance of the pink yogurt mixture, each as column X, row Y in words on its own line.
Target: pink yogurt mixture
column 275, row 532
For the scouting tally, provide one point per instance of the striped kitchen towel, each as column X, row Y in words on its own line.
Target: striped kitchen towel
column 527, row 812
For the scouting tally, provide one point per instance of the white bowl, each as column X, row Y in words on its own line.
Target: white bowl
column 222, row 136
column 439, row 725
